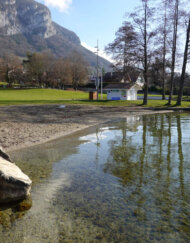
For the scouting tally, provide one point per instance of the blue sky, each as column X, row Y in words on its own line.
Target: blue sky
column 91, row 19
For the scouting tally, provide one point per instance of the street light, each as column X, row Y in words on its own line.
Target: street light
column 97, row 69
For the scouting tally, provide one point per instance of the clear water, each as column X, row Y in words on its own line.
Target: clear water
column 125, row 181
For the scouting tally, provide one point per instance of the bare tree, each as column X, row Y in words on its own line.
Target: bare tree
column 185, row 59
column 163, row 39
column 124, row 48
column 142, row 22
column 62, row 72
column 79, row 70
column 164, row 48
column 38, row 67
column 9, row 67
column 161, row 62
column 174, row 47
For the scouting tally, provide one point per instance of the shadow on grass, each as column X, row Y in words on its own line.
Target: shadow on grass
column 62, row 101
column 151, row 104
column 34, row 102
column 16, row 89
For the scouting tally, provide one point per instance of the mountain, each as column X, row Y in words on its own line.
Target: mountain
column 26, row 26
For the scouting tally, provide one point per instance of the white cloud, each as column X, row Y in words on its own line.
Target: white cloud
column 101, row 53
column 62, row 5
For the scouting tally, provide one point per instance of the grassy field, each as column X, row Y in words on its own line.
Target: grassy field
column 51, row 96
column 3, row 83
column 38, row 96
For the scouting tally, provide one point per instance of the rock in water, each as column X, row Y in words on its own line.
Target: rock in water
column 14, row 184
column 4, row 155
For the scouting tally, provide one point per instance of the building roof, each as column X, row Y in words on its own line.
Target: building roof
column 124, row 83
column 117, row 77
column 133, row 76
column 113, row 77
column 123, row 86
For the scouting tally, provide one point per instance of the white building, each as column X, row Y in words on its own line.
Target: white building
column 125, row 90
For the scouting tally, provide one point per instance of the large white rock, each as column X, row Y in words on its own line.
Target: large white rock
column 14, row 184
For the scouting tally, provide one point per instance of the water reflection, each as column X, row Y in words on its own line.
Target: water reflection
column 150, row 171
column 127, row 181
column 122, row 161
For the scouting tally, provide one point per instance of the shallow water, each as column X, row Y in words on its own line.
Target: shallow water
column 124, row 181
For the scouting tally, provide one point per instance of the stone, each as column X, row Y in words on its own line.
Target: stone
column 27, row 26
column 24, row 205
column 26, row 17
column 4, row 155
column 14, row 184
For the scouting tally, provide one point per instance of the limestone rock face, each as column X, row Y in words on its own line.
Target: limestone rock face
column 14, row 184
column 27, row 26
column 25, row 16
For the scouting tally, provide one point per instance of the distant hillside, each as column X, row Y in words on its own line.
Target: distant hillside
column 26, row 26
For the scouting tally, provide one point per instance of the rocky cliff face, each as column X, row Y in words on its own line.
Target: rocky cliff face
column 25, row 16
column 26, row 26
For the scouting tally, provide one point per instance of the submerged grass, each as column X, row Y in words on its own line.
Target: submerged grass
column 103, row 186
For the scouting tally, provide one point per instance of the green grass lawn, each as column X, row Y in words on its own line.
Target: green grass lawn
column 53, row 96
column 3, row 83
column 152, row 95
column 35, row 96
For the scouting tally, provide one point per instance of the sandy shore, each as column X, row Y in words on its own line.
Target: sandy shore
column 23, row 126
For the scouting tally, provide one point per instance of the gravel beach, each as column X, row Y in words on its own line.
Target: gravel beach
column 24, row 126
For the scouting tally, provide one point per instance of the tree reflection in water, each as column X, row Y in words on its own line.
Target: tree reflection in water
column 143, row 196
column 150, row 165
column 126, row 160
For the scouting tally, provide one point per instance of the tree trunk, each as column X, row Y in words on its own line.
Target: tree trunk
column 176, row 19
column 180, row 93
column 145, row 100
column 164, row 53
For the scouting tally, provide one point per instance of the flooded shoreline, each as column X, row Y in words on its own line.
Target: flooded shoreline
column 126, row 180
column 25, row 126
